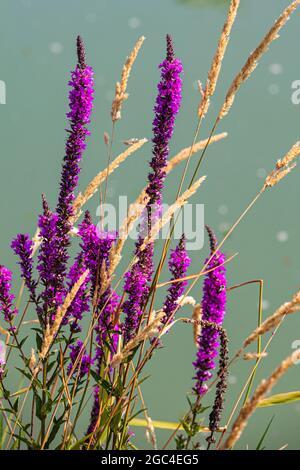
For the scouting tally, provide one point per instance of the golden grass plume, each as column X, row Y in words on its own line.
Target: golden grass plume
column 216, row 65
column 93, row 186
column 155, row 322
column 181, row 201
column 283, row 166
column 121, row 87
column 185, row 153
column 271, row 322
column 251, row 405
column 255, row 56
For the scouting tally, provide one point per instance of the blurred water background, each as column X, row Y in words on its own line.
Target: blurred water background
column 37, row 50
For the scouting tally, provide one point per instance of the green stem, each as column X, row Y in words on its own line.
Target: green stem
column 44, row 398
column 259, row 322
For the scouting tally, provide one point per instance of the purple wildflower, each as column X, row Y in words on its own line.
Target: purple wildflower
column 78, row 351
column 135, row 287
column 55, row 227
column 50, row 269
column 213, row 310
column 167, row 106
column 81, row 104
column 95, row 411
column 178, row 264
column 107, row 305
column 96, row 247
column 6, row 297
column 23, row 246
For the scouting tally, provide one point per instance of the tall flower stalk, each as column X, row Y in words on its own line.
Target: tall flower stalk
column 96, row 249
column 6, row 297
column 166, row 108
column 178, row 264
column 110, row 355
column 23, row 248
column 55, row 227
column 81, row 104
column 213, row 310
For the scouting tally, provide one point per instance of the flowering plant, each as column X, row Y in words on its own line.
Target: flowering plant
column 94, row 335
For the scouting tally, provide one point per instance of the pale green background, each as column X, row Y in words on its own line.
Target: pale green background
column 262, row 125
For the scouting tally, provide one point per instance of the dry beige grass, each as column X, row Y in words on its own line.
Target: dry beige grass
column 216, row 65
column 283, row 166
column 255, row 56
column 271, row 322
column 121, row 87
column 259, row 394
column 93, row 186
column 180, row 202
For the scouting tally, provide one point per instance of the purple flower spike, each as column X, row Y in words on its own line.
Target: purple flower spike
column 108, row 304
column 55, row 227
column 81, row 104
column 22, row 246
column 167, row 106
column 178, row 265
column 135, row 283
column 49, row 266
column 96, row 247
column 84, row 362
column 6, row 297
column 213, row 310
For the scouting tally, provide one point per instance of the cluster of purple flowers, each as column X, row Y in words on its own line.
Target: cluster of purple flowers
column 6, row 297
column 137, row 280
column 178, row 264
column 79, row 357
column 213, row 310
column 96, row 294
column 23, row 247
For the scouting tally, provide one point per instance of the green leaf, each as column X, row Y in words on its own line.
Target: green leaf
column 77, row 445
column 136, row 414
column 23, row 341
column 143, row 379
column 25, row 373
column 165, row 425
column 57, row 423
column 8, row 410
column 19, row 437
column 259, row 445
column 46, row 408
column 1, row 431
column 38, row 404
column 280, row 399
column 39, row 341
column 115, row 422
column 16, row 405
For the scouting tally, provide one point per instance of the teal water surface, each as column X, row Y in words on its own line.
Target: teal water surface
column 37, row 50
